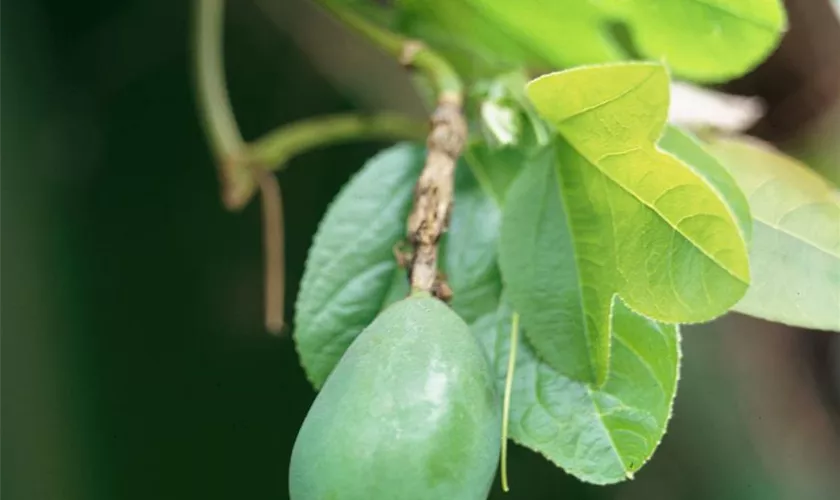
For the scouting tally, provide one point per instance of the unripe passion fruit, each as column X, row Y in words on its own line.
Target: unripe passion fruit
column 410, row 412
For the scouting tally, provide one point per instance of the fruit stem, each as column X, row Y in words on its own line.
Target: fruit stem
column 514, row 340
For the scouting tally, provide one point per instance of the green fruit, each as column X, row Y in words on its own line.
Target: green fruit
column 410, row 412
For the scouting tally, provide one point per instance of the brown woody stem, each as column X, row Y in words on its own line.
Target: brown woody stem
column 433, row 194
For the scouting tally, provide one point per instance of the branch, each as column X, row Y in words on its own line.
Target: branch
column 433, row 194
column 218, row 120
column 242, row 168
column 275, row 149
column 237, row 179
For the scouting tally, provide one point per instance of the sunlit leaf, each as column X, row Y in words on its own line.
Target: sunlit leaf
column 599, row 435
column 795, row 248
column 465, row 35
column 704, row 40
column 691, row 152
column 607, row 212
column 563, row 34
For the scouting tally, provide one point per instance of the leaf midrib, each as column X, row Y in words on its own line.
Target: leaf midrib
column 594, row 372
column 653, row 72
column 600, row 419
column 658, row 213
column 795, row 236
column 350, row 247
column 737, row 15
column 595, row 164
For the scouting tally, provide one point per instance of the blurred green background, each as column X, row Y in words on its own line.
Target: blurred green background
column 134, row 361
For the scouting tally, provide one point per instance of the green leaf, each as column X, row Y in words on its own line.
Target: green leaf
column 705, row 40
column 351, row 265
column 495, row 168
column 609, row 213
column 469, row 249
column 795, row 249
column 563, row 34
column 600, row 436
column 351, row 273
column 690, row 151
column 463, row 34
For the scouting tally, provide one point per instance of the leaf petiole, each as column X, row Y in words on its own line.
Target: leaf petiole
column 514, row 340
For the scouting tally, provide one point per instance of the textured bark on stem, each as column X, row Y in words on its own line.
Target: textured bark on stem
column 433, row 194
column 434, row 190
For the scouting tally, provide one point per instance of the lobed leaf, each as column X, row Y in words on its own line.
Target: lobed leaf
column 607, row 212
column 691, row 152
column 795, row 249
column 599, row 435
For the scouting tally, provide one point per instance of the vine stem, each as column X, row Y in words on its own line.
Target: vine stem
column 244, row 168
column 433, row 194
column 407, row 51
column 218, row 120
column 238, row 182
column 276, row 148
column 514, row 340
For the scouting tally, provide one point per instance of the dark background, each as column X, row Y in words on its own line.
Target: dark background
column 134, row 361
